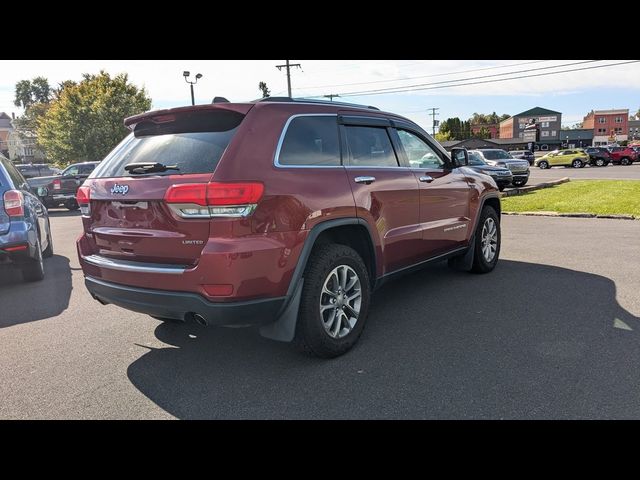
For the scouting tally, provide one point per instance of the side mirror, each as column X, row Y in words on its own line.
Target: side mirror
column 42, row 191
column 459, row 157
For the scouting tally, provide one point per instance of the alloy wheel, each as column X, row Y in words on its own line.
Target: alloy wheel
column 340, row 301
column 489, row 239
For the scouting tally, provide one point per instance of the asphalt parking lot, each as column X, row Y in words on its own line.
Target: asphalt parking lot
column 553, row 332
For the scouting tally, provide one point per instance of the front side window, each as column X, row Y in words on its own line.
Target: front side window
column 419, row 153
column 370, row 147
column 73, row 170
column 311, row 141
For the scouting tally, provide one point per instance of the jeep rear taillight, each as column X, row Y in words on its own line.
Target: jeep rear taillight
column 83, row 197
column 214, row 199
column 57, row 184
column 14, row 203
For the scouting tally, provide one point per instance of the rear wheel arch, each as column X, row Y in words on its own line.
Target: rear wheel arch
column 351, row 231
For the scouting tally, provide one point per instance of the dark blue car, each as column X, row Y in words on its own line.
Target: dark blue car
column 25, row 233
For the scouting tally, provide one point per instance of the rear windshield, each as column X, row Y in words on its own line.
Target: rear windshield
column 194, row 143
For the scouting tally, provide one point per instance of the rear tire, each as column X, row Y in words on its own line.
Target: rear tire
column 577, row 163
column 600, row 162
column 48, row 252
column 487, row 241
column 33, row 270
column 625, row 161
column 335, row 275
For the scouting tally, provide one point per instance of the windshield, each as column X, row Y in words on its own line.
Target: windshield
column 474, row 159
column 496, row 155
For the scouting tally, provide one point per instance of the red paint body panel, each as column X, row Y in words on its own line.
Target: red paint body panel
column 256, row 256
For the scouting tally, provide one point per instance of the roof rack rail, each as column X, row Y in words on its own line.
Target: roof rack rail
column 314, row 100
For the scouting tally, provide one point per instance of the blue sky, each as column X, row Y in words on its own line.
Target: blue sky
column 573, row 93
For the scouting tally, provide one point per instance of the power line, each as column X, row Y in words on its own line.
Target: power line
column 469, row 78
column 489, row 81
column 426, row 76
column 288, row 66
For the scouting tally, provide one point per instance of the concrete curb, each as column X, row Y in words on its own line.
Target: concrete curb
column 575, row 215
column 530, row 188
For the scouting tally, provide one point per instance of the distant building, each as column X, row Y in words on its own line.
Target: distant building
column 492, row 128
column 549, row 122
column 609, row 126
column 634, row 130
column 577, row 138
column 6, row 127
column 23, row 147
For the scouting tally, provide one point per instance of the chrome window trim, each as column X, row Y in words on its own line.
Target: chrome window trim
column 129, row 266
column 276, row 161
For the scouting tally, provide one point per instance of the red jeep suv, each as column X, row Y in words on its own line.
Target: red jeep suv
column 287, row 213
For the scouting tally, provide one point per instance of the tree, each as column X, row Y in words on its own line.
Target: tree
column 85, row 121
column 503, row 117
column 33, row 91
column 265, row 91
column 442, row 137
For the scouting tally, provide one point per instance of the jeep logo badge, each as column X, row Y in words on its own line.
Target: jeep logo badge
column 121, row 189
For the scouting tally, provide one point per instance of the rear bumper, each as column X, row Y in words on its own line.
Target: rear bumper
column 20, row 233
column 176, row 305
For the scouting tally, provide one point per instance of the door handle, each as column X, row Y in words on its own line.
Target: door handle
column 426, row 179
column 365, row 180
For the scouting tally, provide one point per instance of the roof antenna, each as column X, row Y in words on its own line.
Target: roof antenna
column 220, row 100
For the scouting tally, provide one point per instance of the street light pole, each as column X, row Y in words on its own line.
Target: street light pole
column 186, row 74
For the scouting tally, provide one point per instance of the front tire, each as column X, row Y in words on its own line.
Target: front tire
column 543, row 164
column 334, row 303
column 487, row 241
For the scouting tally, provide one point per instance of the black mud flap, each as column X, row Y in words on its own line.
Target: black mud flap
column 464, row 262
column 284, row 328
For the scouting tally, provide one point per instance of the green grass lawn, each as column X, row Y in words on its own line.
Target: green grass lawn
column 584, row 196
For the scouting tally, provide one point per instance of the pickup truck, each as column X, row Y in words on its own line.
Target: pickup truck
column 61, row 189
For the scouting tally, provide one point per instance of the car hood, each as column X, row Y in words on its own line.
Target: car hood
column 487, row 168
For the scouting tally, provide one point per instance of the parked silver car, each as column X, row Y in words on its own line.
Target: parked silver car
column 501, row 158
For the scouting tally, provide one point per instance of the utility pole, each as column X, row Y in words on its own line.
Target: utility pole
column 288, row 66
column 331, row 95
column 434, row 121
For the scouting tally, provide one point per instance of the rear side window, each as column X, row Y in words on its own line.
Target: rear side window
column 193, row 142
column 311, row 141
column 370, row 147
column 16, row 177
